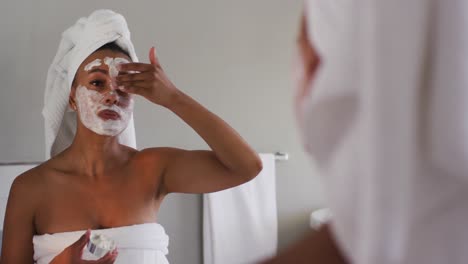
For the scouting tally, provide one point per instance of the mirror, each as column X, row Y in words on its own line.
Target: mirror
column 233, row 58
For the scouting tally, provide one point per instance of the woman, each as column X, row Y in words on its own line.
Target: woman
column 97, row 183
column 317, row 246
column 385, row 123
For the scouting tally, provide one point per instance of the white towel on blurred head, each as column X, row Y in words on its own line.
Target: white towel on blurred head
column 385, row 123
column 78, row 42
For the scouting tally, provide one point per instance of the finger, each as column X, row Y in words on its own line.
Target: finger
column 109, row 258
column 83, row 239
column 135, row 66
column 79, row 245
column 126, row 72
column 132, row 89
column 153, row 58
column 135, row 77
column 142, row 84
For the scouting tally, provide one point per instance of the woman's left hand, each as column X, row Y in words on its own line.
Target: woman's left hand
column 147, row 80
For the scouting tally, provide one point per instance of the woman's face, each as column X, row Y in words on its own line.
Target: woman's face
column 101, row 106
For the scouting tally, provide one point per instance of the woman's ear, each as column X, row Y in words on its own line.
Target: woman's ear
column 72, row 103
column 71, row 97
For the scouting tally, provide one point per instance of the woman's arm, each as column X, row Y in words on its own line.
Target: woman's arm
column 231, row 162
column 18, row 230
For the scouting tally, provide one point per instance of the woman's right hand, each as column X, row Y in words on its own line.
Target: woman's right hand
column 73, row 254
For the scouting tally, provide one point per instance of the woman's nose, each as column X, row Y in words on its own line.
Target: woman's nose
column 111, row 98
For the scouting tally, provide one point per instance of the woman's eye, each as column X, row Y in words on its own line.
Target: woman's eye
column 97, row 83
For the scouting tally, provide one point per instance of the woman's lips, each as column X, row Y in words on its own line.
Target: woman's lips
column 109, row 115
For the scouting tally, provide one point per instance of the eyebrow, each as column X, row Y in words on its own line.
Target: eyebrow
column 97, row 70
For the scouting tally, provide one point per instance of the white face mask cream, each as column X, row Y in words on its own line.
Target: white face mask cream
column 100, row 117
column 112, row 64
column 94, row 63
column 107, row 113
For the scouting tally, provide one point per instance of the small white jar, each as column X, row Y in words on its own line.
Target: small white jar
column 99, row 245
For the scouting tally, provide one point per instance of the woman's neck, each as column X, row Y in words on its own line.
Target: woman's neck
column 94, row 154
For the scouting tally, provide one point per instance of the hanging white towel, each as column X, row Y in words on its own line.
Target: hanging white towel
column 240, row 224
column 78, row 42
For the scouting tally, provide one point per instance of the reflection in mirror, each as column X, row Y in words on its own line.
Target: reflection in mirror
column 194, row 116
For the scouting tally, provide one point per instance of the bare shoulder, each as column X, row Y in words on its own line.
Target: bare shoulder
column 159, row 156
column 30, row 187
column 28, row 184
column 26, row 180
column 19, row 228
column 37, row 176
column 151, row 164
column 154, row 161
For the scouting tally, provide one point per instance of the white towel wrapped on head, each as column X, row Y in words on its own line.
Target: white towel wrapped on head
column 78, row 42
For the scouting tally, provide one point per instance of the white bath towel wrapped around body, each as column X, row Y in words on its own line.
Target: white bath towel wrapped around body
column 139, row 244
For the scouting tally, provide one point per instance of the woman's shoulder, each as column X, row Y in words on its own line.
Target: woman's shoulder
column 151, row 161
column 156, row 158
column 37, row 177
column 25, row 192
column 30, row 187
column 29, row 180
column 156, row 155
column 160, row 153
